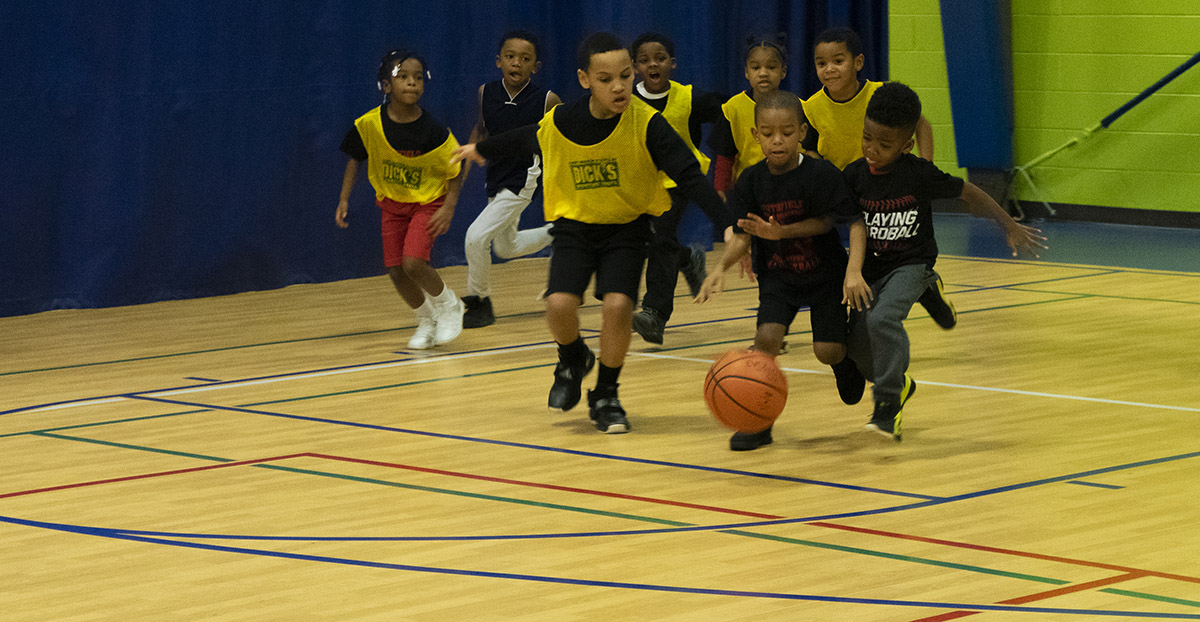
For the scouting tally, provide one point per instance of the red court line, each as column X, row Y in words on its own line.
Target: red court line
column 599, row 493
column 149, row 475
column 1021, row 600
column 992, row 549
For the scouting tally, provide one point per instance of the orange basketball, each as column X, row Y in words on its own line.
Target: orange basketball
column 745, row 390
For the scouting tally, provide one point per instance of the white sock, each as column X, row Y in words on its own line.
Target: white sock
column 445, row 298
column 425, row 311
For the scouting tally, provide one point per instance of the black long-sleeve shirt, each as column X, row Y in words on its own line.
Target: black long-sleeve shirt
column 668, row 151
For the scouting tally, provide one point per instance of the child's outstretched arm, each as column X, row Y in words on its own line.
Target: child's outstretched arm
column 1017, row 235
column 343, row 206
column 439, row 222
column 855, row 291
column 480, row 131
column 925, row 138
column 772, row 230
column 515, row 142
column 736, row 246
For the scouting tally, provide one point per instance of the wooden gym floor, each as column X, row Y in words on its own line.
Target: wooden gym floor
column 280, row 456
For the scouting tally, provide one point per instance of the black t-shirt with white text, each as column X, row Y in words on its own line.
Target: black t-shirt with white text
column 896, row 207
column 813, row 189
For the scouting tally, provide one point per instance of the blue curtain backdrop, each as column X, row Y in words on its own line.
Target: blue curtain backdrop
column 155, row 150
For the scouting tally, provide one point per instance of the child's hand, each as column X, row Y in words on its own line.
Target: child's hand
column 765, row 229
column 746, row 268
column 467, row 152
column 439, row 222
column 713, row 284
column 339, row 216
column 856, row 293
column 1021, row 236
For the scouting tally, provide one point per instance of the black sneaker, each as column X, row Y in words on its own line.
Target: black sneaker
column 850, row 381
column 479, row 312
column 938, row 305
column 568, row 381
column 650, row 325
column 747, row 441
column 695, row 271
column 607, row 414
column 888, row 416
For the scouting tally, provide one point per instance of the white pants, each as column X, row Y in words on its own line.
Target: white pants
column 496, row 229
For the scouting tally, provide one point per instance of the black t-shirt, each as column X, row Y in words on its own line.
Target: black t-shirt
column 502, row 113
column 409, row 139
column 896, row 207
column 813, row 189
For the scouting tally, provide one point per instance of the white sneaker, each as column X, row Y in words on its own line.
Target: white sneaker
column 424, row 338
column 449, row 320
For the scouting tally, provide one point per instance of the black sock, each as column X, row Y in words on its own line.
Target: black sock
column 572, row 353
column 606, row 379
column 843, row 366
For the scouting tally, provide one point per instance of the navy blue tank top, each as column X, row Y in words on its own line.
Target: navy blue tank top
column 500, row 114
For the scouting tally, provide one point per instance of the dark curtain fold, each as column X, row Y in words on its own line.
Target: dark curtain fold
column 155, row 151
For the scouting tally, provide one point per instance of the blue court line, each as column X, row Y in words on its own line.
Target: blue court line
column 574, row 452
column 648, row 587
column 1073, row 476
column 1095, row 485
column 200, row 379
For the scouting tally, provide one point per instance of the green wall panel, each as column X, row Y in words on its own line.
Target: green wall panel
column 1077, row 61
column 1074, row 62
column 916, row 57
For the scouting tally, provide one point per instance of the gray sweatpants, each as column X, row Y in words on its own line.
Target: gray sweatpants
column 878, row 343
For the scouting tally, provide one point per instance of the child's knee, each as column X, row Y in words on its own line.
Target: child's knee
column 829, row 353
column 560, row 303
column 616, row 304
column 769, row 338
column 477, row 235
column 413, row 265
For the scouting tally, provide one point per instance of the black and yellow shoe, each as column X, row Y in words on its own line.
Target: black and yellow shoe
column 888, row 415
column 940, row 308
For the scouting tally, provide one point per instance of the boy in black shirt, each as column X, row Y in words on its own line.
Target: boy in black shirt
column 789, row 203
column 894, row 189
column 604, row 156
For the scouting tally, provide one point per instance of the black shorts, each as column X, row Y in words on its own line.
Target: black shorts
column 782, row 295
column 616, row 254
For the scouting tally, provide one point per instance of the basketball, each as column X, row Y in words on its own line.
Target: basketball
column 745, row 390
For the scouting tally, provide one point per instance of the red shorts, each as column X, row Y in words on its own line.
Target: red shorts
column 405, row 230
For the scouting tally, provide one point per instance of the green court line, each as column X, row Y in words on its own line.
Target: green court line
column 1101, row 272
column 905, row 558
column 100, row 423
column 1105, row 296
column 494, row 372
column 473, row 495
column 394, row 386
column 83, row 439
column 1163, row 599
column 206, row 351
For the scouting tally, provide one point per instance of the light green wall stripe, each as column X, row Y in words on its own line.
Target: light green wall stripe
column 916, row 57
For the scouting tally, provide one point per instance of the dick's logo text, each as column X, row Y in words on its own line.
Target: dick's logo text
column 590, row 174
